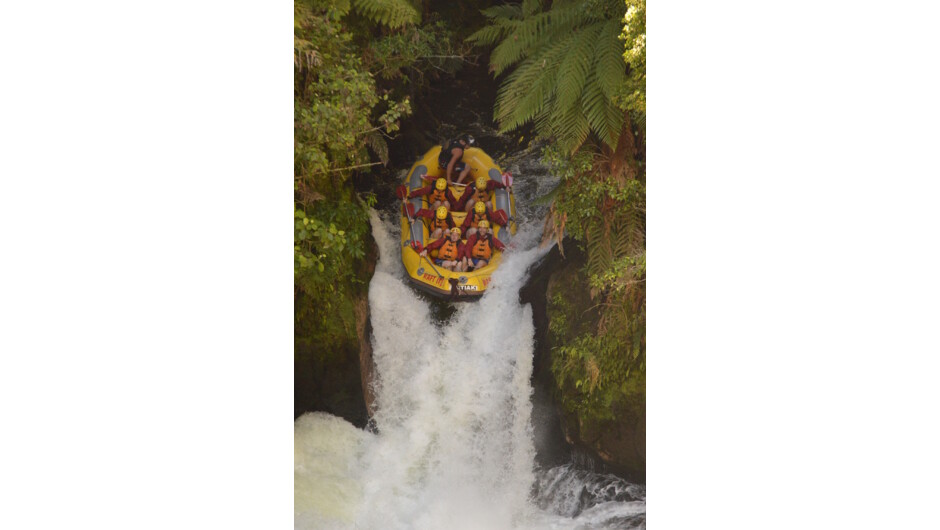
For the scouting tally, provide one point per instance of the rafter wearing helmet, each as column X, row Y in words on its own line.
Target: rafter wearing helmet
column 440, row 220
column 438, row 194
column 480, row 190
column 451, row 253
column 480, row 246
column 472, row 220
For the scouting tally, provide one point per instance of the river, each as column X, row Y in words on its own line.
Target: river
column 451, row 445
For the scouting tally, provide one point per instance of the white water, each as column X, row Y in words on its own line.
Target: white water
column 454, row 448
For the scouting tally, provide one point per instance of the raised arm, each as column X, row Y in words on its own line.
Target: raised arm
column 420, row 191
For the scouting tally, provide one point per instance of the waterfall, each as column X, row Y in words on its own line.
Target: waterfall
column 453, row 446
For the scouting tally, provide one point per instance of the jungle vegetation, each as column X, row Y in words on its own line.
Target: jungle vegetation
column 576, row 69
column 357, row 66
column 572, row 70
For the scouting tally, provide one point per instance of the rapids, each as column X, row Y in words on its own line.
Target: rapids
column 452, row 440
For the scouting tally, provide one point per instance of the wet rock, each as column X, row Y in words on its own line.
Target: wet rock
column 617, row 445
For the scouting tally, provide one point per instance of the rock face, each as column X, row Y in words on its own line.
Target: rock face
column 620, row 443
column 336, row 378
column 366, row 363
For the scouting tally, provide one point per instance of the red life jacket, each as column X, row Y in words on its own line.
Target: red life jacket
column 481, row 195
column 482, row 249
column 439, row 223
column 448, row 251
column 436, row 195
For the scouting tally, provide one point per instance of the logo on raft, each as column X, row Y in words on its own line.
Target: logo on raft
column 467, row 287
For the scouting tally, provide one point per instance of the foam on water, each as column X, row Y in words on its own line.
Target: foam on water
column 326, row 489
column 454, row 447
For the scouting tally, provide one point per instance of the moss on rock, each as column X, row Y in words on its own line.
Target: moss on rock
column 332, row 363
column 601, row 394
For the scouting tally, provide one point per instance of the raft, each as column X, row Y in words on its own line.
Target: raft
column 421, row 270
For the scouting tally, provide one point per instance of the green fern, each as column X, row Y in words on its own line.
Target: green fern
column 566, row 68
column 378, row 145
column 506, row 11
column 576, row 68
column 609, row 71
column 392, row 13
column 529, row 88
column 531, row 7
column 489, row 35
column 605, row 117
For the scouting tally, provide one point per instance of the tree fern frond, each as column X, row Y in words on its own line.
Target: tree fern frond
column 392, row 13
column 520, row 81
column 508, row 52
column 571, row 128
column 605, row 117
column 567, row 68
column 574, row 70
column 510, row 11
column 599, row 251
column 611, row 71
column 529, row 88
column 531, row 7
column 489, row 35
column 531, row 33
column 377, row 144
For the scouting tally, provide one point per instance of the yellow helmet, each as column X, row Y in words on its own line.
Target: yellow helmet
column 455, row 230
column 481, row 182
column 442, row 212
column 479, row 207
column 484, row 224
column 441, row 184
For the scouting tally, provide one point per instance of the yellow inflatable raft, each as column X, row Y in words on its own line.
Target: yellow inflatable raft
column 426, row 274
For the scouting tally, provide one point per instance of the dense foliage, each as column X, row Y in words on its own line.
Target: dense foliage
column 334, row 100
column 567, row 68
column 599, row 366
column 577, row 71
column 358, row 65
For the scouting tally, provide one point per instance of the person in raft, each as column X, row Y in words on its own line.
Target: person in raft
column 438, row 194
column 480, row 245
column 441, row 220
column 472, row 220
column 479, row 191
column 450, row 252
column 451, row 158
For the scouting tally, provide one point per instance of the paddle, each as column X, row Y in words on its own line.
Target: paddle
column 499, row 216
column 418, row 247
column 439, row 275
column 507, row 181
column 432, row 179
column 410, row 212
column 402, row 193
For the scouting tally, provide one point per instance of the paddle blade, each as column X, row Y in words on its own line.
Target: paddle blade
column 411, row 209
column 507, row 179
column 401, row 191
column 500, row 217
